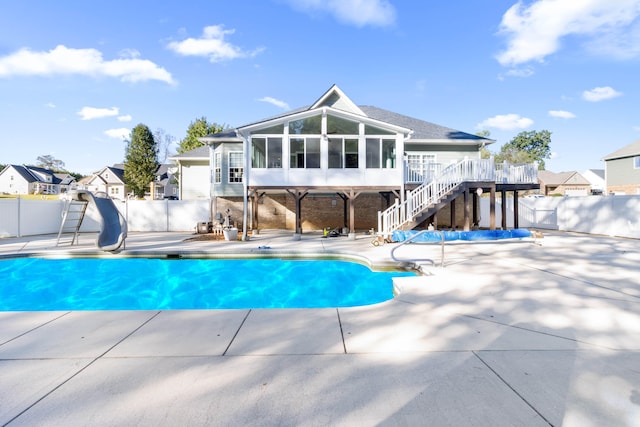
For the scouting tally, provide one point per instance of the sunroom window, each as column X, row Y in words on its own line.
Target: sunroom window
column 307, row 126
column 343, row 153
column 636, row 162
column 266, row 152
column 340, row 126
column 305, row 152
column 372, row 130
column 381, row 153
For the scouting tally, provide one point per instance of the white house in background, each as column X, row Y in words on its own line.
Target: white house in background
column 21, row 179
column 596, row 179
column 383, row 168
column 110, row 180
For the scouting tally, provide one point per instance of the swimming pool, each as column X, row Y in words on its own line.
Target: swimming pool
column 34, row 284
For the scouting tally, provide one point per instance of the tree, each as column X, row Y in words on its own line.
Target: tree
column 141, row 160
column 164, row 142
column 484, row 151
column 527, row 147
column 49, row 162
column 197, row 129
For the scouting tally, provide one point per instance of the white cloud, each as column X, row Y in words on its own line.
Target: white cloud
column 90, row 113
column 561, row 114
column 600, row 94
column 50, row 105
column 120, row 133
column 275, row 102
column 520, row 72
column 534, row 30
column 506, row 122
column 125, row 118
column 379, row 13
column 89, row 62
column 212, row 45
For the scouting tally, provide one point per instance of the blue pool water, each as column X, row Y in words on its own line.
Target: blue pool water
column 152, row 283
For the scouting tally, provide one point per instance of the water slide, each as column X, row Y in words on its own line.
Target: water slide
column 113, row 226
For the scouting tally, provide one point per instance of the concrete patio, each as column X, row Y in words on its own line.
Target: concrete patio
column 514, row 332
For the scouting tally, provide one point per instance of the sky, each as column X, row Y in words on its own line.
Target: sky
column 77, row 76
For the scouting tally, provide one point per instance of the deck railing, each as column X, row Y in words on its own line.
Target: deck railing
column 436, row 181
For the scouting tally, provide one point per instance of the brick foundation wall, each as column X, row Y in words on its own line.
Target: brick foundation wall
column 277, row 211
column 629, row 189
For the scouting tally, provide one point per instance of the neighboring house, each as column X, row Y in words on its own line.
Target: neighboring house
column 165, row 185
column 338, row 164
column 622, row 170
column 596, row 179
column 193, row 174
column 109, row 180
column 563, row 184
column 15, row 179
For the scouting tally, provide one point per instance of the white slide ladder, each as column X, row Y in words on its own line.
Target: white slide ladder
column 72, row 217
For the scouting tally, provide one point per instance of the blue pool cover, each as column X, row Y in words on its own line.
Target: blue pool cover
column 436, row 236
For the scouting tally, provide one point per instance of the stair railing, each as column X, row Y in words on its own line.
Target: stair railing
column 431, row 192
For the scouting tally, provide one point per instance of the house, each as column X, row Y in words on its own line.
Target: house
column 109, row 180
column 622, row 170
column 563, row 184
column 165, row 185
column 339, row 165
column 194, row 174
column 22, row 179
column 596, row 179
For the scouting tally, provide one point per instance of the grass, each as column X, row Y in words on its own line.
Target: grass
column 31, row 196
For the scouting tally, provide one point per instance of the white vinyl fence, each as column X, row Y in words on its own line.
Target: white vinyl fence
column 19, row 217
column 607, row 215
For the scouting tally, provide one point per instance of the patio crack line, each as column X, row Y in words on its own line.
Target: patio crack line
column 80, row 370
column 536, row 332
column 34, row 328
column 344, row 344
column 511, row 388
column 224, row 353
column 582, row 281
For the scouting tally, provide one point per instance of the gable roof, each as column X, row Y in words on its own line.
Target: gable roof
column 200, row 153
column 336, row 98
column 561, row 178
column 630, row 150
column 597, row 172
column 422, row 130
column 30, row 173
column 419, row 131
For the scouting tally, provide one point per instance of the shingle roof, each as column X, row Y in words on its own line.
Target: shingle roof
column 29, row 173
column 422, row 130
column 196, row 153
column 552, row 178
column 598, row 172
column 630, row 150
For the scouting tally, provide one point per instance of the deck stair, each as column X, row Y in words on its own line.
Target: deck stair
column 432, row 195
column 72, row 217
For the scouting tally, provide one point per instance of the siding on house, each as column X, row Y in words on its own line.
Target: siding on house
column 194, row 180
column 622, row 170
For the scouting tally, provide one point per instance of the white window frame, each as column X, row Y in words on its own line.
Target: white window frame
column 235, row 170
column 217, row 168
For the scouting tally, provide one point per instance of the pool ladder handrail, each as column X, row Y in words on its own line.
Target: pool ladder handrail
column 410, row 239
